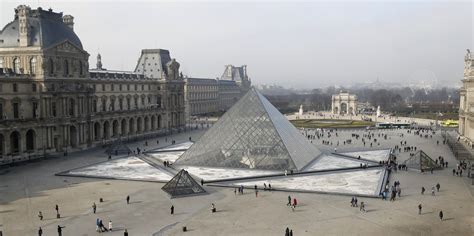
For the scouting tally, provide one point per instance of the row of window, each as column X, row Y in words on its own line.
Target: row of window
column 32, row 64
column 121, row 87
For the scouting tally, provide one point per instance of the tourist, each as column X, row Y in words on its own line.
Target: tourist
column 57, row 209
column 269, row 187
column 60, row 230
column 362, row 207
column 287, row 232
column 419, row 209
column 352, row 202
column 441, row 215
column 355, row 201
column 289, row 201
column 295, row 202
column 128, row 199
column 172, row 209
column 422, row 190
column 399, row 190
column 110, row 225
column 213, row 208
column 454, row 171
column 125, row 233
column 40, row 231
column 40, row 215
column 437, row 187
column 94, row 208
column 102, row 226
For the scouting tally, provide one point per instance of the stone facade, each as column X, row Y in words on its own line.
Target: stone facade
column 206, row 96
column 466, row 106
column 344, row 103
column 51, row 102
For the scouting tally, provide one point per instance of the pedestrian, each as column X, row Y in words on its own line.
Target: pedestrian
column 110, row 225
column 433, row 191
column 291, row 232
column 97, row 225
column 352, row 202
column 422, row 190
column 295, row 202
column 60, row 229
column 362, row 206
column 102, row 226
column 437, row 187
column 57, row 209
column 287, row 232
column 202, row 182
column 172, row 209
column 128, row 199
column 40, row 231
column 355, row 201
column 441, row 215
column 125, row 233
column 419, row 209
column 454, row 171
column 40, row 215
column 289, row 201
column 94, row 207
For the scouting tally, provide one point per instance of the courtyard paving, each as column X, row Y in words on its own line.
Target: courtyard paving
column 27, row 189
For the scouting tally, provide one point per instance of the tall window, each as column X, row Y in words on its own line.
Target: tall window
column 72, row 103
column 112, row 104
column 53, row 109
column 104, row 103
column 112, row 87
column 16, row 65
column 16, row 110
column 35, row 109
column 128, row 103
column 33, row 66
column 94, row 106
column 51, row 66
column 15, row 88
column 66, row 68
column 121, row 103
column 81, row 69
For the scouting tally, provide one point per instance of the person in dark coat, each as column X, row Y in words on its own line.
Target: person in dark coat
column 60, row 230
column 172, row 209
column 128, row 199
column 40, row 231
column 287, row 232
column 125, row 233
column 441, row 215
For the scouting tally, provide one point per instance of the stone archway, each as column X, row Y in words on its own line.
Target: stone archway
column 72, row 136
column 131, row 126
column 15, row 144
column 153, row 123
column 97, row 131
column 139, row 125
column 147, row 124
column 30, row 140
column 160, row 125
column 124, row 127
column 343, row 108
column 106, row 134
column 115, row 128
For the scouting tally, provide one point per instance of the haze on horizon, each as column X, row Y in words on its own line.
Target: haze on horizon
column 294, row 44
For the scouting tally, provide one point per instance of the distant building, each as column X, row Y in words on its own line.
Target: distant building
column 52, row 102
column 344, row 103
column 206, row 96
column 466, row 106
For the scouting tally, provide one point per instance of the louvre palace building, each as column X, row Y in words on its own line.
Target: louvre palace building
column 51, row 101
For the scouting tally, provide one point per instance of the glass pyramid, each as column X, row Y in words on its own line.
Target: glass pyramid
column 253, row 134
column 182, row 184
column 421, row 161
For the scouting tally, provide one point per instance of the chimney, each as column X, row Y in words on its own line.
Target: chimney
column 22, row 13
column 69, row 21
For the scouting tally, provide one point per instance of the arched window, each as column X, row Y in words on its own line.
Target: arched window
column 81, row 69
column 33, row 65
column 66, row 68
column 51, row 66
column 16, row 65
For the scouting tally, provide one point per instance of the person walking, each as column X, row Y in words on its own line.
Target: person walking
column 438, row 186
column 128, row 199
column 287, row 232
column 125, row 233
column 172, row 209
column 110, row 225
column 441, row 215
column 289, row 201
column 60, row 230
column 40, row 215
column 295, row 203
column 419, row 209
column 97, row 225
column 422, row 190
column 40, row 231
column 94, row 208
column 362, row 207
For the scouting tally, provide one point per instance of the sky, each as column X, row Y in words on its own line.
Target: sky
column 298, row 44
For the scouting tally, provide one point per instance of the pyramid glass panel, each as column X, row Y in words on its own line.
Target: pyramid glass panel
column 252, row 134
column 421, row 161
column 182, row 184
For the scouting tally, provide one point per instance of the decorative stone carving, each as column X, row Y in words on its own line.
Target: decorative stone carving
column 173, row 69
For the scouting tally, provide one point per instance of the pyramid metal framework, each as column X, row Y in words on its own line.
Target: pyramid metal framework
column 182, row 184
column 421, row 161
column 253, row 134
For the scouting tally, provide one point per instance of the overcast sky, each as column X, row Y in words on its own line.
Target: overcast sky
column 295, row 44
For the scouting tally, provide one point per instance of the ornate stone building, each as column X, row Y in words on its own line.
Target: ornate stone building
column 205, row 96
column 344, row 103
column 51, row 102
column 466, row 106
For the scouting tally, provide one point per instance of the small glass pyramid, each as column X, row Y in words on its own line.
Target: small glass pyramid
column 182, row 184
column 421, row 161
column 253, row 134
